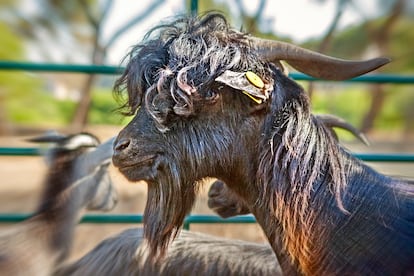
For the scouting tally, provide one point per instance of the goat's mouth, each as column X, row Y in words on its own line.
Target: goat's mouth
column 143, row 168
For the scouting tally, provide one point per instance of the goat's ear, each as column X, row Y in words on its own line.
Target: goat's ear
column 248, row 83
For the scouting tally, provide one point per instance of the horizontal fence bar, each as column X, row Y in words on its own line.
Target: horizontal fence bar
column 370, row 78
column 385, row 157
column 68, row 68
column 6, row 151
column 137, row 218
column 108, row 69
column 371, row 157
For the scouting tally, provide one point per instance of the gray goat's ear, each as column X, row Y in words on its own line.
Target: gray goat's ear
column 248, row 83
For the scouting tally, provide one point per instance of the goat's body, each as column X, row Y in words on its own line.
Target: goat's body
column 377, row 236
column 190, row 254
column 337, row 216
column 321, row 209
column 26, row 246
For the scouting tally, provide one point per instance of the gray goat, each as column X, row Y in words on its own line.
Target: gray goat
column 190, row 254
column 77, row 177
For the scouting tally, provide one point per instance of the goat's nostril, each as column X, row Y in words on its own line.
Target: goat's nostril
column 122, row 144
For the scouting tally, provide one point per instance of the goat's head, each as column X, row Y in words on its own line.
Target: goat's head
column 201, row 93
column 80, row 159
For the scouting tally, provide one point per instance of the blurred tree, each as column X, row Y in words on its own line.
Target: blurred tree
column 380, row 37
column 69, row 26
column 387, row 34
column 327, row 37
column 250, row 17
column 100, row 48
column 12, row 84
column 11, row 44
column 251, row 22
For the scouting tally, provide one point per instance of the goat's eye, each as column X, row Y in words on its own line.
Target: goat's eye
column 213, row 92
column 216, row 89
column 210, row 93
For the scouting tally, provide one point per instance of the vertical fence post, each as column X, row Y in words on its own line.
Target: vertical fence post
column 186, row 226
column 194, row 7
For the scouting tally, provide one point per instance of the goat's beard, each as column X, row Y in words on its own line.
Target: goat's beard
column 169, row 200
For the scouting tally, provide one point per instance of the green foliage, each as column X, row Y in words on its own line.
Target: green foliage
column 398, row 112
column 104, row 109
column 11, row 47
column 347, row 101
column 401, row 49
column 37, row 108
column 352, row 101
column 212, row 5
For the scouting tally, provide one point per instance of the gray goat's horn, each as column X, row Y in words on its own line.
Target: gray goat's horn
column 313, row 63
column 331, row 121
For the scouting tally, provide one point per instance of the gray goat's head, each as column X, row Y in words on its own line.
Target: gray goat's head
column 202, row 94
column 79, row 160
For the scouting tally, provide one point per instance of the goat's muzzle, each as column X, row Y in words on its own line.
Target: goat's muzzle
column 134, row 164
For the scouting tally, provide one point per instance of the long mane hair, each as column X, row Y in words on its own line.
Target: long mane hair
column 299, row 159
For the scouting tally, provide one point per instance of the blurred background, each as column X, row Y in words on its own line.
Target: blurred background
column 101, row 32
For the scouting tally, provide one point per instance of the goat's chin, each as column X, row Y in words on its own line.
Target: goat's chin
column 146, row 170
column 168, row 202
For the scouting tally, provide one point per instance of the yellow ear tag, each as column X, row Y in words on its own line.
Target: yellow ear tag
column 256, row 100
column 254, row 79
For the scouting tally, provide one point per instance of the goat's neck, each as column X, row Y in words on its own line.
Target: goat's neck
column 299, row 158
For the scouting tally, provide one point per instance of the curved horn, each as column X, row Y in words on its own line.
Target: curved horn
column 332, row 121
column 313, row 63
column 48, row 137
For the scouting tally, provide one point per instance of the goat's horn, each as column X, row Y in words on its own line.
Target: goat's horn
column 332, row 121
column 48, row 137
column 313, row 63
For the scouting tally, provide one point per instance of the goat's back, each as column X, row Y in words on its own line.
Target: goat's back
column 377, row 236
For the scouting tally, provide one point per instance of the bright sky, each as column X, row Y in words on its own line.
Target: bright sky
column 298, row 19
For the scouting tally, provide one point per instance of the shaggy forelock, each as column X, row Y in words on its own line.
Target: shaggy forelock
column 174, row 69
column 298, row 156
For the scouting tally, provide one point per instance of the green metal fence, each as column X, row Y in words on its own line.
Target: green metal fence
column 191, row 219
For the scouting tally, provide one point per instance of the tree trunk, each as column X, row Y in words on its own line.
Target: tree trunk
column 378, row 98
column 4, row 123
column 80, row 118
column 381, row 38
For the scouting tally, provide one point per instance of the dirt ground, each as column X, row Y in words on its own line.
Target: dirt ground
column 21, row 180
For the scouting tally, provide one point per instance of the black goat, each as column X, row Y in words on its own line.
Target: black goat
column 323, row 211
